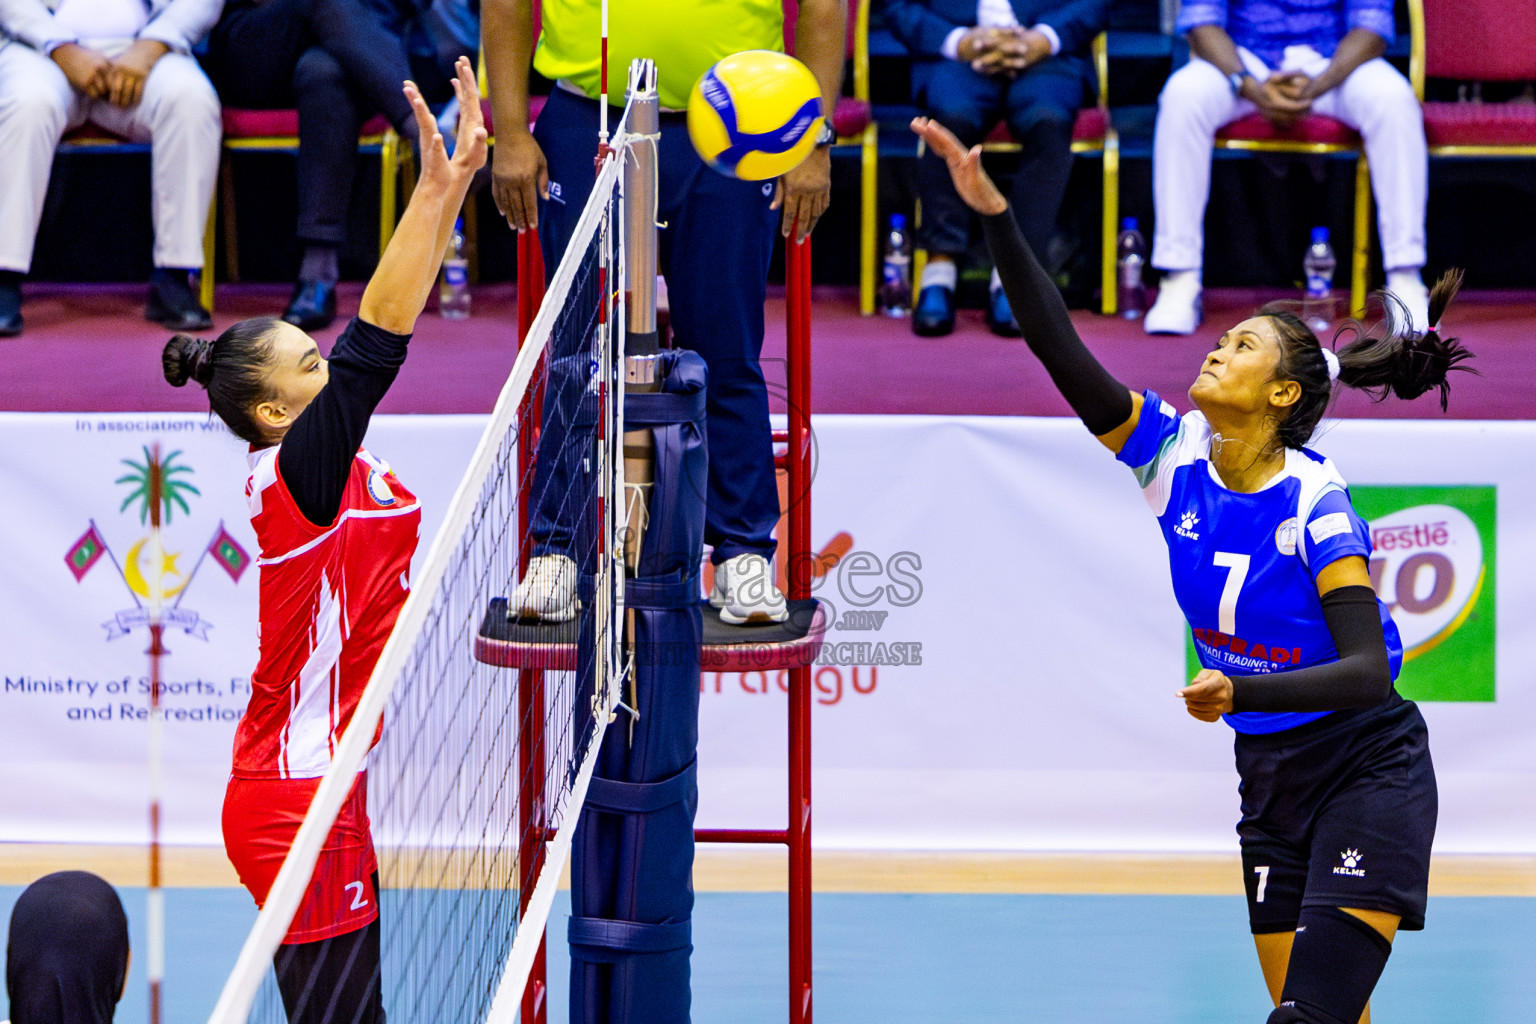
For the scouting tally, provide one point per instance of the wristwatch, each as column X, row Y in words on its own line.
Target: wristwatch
column 826, row 136
column 1236, row 81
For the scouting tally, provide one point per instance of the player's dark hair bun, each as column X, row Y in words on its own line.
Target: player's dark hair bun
column 187, row 358
column 233, row 369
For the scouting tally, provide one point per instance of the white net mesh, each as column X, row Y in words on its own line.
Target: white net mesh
column 478, row 776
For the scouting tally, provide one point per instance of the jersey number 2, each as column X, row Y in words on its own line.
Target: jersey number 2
column 358, row 903
column 1237, row 571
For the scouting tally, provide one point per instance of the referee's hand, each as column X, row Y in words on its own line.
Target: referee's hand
column 519, row 179
column 804, row 193
column 1208, row 696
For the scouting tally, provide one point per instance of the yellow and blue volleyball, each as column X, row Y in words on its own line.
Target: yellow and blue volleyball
column 755, row 114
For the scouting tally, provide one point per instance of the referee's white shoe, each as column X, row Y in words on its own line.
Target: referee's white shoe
column 1408, row 285
column 744, row 591
column 1178, row 307
column 548, row 592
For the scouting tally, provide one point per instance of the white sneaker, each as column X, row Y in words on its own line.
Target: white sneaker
column 548, row 592
column 744, row 591
column 1409, row 287
column 1178, row 308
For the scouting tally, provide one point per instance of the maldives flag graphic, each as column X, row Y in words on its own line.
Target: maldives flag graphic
column 85, row 552
column 228, row 553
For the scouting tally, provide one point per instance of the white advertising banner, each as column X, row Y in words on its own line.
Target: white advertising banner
column 1000, row 674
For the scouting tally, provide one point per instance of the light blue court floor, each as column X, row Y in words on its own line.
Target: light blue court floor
column 894, row 959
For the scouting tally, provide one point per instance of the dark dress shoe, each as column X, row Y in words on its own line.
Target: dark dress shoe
column 1000, row 317
column 934, row 316
column 313, row 305
column 172, row 304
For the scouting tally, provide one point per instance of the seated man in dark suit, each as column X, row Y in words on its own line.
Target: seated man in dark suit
column 1026, row 62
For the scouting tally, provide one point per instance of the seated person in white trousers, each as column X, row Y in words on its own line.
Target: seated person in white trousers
column 1284, row 59
column 125, row 65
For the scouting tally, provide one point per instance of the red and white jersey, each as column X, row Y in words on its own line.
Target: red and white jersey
column 329, row 596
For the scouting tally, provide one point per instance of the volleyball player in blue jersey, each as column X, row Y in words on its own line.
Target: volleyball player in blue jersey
column 1269, row 565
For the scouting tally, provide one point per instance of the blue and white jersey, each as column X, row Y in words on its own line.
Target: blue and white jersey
column 1244, row 565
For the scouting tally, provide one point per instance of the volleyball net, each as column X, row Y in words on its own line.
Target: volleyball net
column 480, row 770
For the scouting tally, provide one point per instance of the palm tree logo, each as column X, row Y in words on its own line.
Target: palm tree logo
column 173, row 495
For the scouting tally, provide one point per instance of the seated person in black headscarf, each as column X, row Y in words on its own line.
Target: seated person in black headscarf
column 67, row 958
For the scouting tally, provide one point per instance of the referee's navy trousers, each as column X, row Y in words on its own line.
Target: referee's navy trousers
column 715, row 246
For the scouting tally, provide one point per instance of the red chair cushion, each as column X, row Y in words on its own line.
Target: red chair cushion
column 1313, row 128
column 1092, row 125
column 259, row 124
column 1480, row 124
column 850, row 117
column 1479, row 40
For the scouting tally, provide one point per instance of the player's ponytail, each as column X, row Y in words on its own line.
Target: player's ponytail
column 232, row 368
column 1394, row 360
column 1388, row 358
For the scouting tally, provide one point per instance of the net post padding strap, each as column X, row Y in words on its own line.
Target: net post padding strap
column 630, row 931
column 255, row 959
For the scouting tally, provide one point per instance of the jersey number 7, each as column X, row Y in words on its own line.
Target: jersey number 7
column 1237, row 571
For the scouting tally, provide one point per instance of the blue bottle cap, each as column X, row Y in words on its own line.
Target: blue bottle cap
column 1129, row 224
column 458, row 224
column 898, row 222
column 1319, row 236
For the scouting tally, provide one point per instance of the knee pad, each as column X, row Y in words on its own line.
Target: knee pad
column 1336, row 959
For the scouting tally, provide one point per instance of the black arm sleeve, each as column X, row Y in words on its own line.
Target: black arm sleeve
column 316, row 455
column 1099, row 400
column 1361, row 678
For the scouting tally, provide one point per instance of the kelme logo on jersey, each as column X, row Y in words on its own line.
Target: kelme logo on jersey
column 140, row 569
column 1185, row 527
column 1432, row 564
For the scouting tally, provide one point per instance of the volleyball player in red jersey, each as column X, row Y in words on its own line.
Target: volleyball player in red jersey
column 337, row 530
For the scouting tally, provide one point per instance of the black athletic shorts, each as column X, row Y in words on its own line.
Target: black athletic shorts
column 1339, row 812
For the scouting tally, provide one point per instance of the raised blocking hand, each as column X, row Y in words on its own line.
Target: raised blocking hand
column 971, row 182
column 469, row 149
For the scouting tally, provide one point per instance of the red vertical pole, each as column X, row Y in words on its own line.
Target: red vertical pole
column 530, row 684
column 798, row 307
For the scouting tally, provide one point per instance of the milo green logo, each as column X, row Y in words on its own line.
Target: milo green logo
column 1432, row 564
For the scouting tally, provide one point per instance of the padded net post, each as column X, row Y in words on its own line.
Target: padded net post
column 632, row 866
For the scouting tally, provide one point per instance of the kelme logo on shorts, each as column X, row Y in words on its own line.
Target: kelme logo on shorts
column 1351, row 865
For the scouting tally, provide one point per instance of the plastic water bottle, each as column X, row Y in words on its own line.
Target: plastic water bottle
column 1130, row 258
column 896, row 279
column 453, row 293
column 1319, row 264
